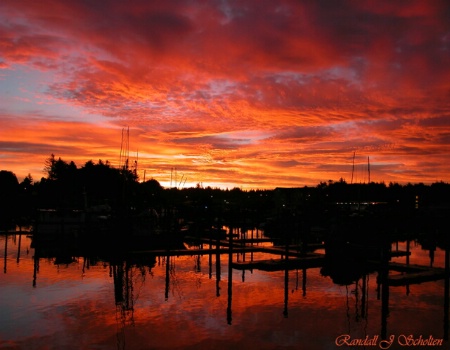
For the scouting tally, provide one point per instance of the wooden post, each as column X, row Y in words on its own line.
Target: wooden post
column 384, row 289
column 18, row 249
column 84, row 265
column 166, row 292
column 363, row 297
column 218, row 266
column 286, row 281
column 35, row 266
column 198, row 264
column 6, row 252
column 408, row 249
column 446, row 293
column 304, row 282
column 251, row 253
column 230, row 278
column 244, row 236
column 118, row 272
column 210, row 261
column 286, row 290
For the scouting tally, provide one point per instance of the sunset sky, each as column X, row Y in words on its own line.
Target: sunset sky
column 252, row 94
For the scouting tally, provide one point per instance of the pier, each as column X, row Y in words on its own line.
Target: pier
column 308, row 261
column 427, row 275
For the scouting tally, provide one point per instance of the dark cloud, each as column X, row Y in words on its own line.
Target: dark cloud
column 213, row 141
column 301, row 134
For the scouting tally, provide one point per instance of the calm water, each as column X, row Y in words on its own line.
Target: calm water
column 188, row 302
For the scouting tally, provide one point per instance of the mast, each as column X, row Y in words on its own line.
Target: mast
column 353, row 167
column 135, row 170
column 121, row 150
column 125, row 149
column 368, row 168
column 181, row 180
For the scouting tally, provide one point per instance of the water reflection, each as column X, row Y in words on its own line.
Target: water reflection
column 177, row 298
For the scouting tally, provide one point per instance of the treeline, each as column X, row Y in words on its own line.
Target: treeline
column 67, row 186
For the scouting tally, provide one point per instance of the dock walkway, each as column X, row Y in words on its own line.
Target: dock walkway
column 308, row 261
column 432, row 274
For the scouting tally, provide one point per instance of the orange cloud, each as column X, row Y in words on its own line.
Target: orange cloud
column 221, row 89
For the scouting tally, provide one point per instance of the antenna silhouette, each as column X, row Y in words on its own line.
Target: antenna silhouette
column 353, row 167
column 125, row 149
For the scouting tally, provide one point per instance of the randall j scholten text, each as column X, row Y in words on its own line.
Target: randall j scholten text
column 346, row 340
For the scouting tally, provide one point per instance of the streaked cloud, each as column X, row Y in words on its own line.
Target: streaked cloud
column 254, row 94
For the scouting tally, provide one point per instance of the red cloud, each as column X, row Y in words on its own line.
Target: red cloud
column 190, row 77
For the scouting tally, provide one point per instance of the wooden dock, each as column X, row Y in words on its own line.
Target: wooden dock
column 282, row 251
column 226, row 242
column 399, row 253
column 12, row 233
column 199, row 251
column 411, row 273
column 308, row 261
column 408, row 268
column 432, row 274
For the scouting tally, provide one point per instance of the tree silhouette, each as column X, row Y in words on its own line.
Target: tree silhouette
column 9, row 190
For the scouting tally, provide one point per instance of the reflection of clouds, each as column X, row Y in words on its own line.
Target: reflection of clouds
column 68, row 307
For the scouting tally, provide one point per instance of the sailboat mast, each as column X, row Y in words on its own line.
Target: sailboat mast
column 124, row 149
column 353, row 167
column 181, row 180
column 127, row 145
column 121, row 150
column 135, row 170
column 368, row 167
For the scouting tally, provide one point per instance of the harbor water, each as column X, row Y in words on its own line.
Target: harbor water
column 147, row 301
